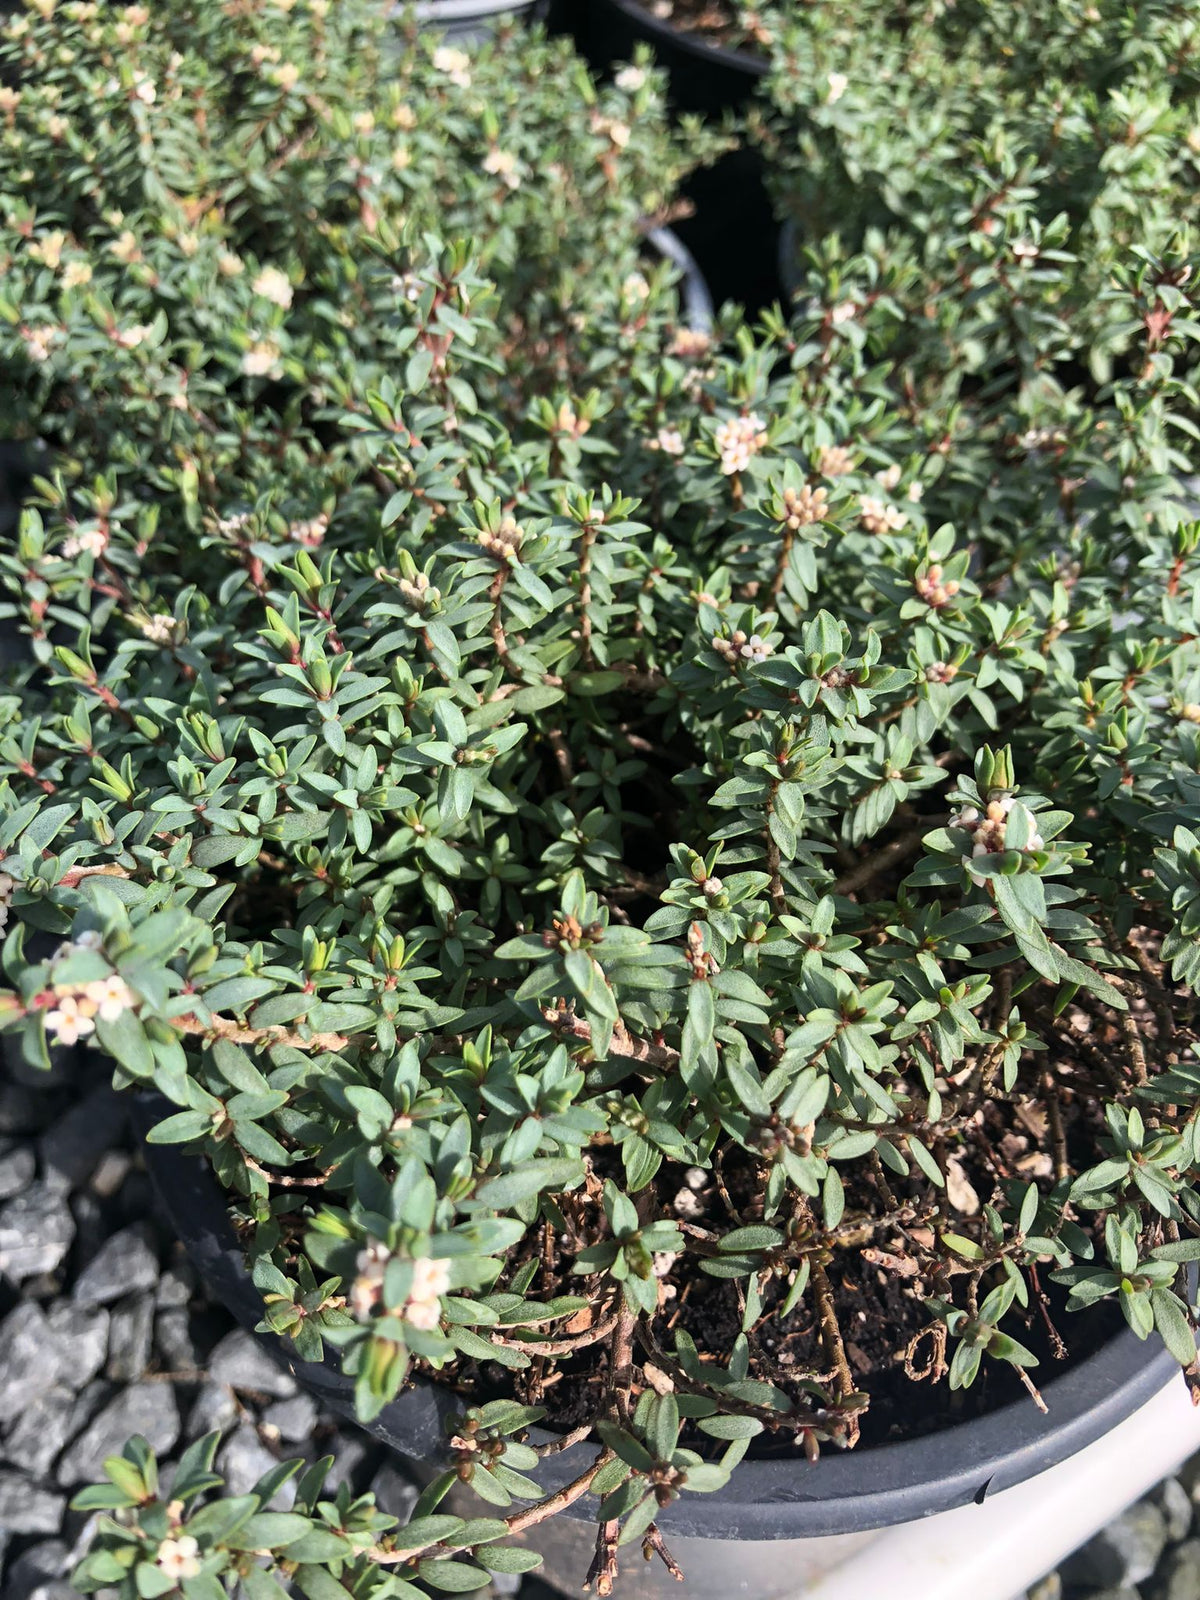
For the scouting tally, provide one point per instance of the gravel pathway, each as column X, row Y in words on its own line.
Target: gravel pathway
column 104, row 1332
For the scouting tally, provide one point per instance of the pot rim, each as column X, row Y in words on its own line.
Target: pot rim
column 743, row 61
column 698, row 309
column 850, row 1491
column 467, row 10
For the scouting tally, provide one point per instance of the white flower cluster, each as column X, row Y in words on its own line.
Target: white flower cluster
column 48, row 248
column 739, row 439
column 834, row 461
column 409, row 285
column 611, row 128
column 91, row 541
column 273, row 285
column 690, row 343
column 158, row 629
column 988, row 831
column 739, row 647
column 502, row 164
column 179, row 1558
column 568, row 420
column 130, row 338
column 74, row 1016
column 890, row 477
column 262, row 359
column 78, row 1006
column 235, row 523
column 880, row 517
column 38, row 340
column 838, row 83
column 310, row 531
column 6, row 896
column 941, row 672
column 419, row 592
column 804, row 506
column 455, row 64
column 669, row 441
column 506, row 540
column 935, row 588
column 430, row 1280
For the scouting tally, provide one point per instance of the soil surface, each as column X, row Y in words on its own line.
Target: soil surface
column 713, row 20
column 878, row 1294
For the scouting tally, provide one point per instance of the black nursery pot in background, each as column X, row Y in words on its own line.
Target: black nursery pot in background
column 782, row 1498
column 704, row 77
column 733, row 231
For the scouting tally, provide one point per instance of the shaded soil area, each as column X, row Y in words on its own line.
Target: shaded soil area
column 713, row 20
column 879, row 1288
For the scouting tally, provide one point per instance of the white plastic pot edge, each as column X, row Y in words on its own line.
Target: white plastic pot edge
column 995, row 1551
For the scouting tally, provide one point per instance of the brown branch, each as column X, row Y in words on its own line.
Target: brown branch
column 226, row 1028
column 661, row 1057
column 1057, row 1133
column 654, row 1545
column 888, row 855
column 621, row 1377
column 576, row 1436
column 1152, row 988
column 517, row 1523
column 532, row 1515
column 559, row 1347
column 831, row 1338
column 76, row 875
column 990, row 1064
column 603, row 1570
column 1135, row 1048
column 1034, row 1392
column 648, row 680
column 282, row 1178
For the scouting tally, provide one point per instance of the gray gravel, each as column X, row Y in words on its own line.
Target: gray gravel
column 124, row 1264
column 104, row 1332
column 36, row 1231
column 1124, row 1553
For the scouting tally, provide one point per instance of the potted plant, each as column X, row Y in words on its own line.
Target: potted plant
column 668, row 907
column 225, row 210
column 931, row 130
column 705, row 978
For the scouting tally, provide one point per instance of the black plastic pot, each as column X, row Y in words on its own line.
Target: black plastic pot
column 732, row 231
column 16, row 473
column 697, row 302
column 704, row 77
column 776, row 1499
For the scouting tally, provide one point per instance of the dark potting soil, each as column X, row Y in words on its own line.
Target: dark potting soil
column 711, row 20
column 880, row 1309
column 880, row 1318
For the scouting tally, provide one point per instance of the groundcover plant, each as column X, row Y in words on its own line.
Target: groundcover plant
column 211, row 214
column 691, row 939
